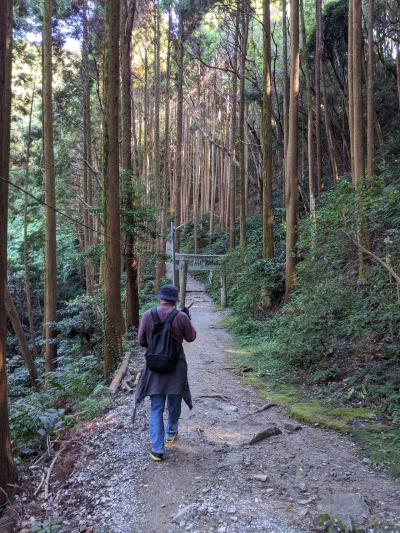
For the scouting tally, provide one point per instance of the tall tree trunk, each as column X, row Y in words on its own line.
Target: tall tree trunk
column 26, row 243
column 358, row 129
column 50, row 288
column 398, row 72
column 267, row 211
column 226, row 171
column 370, row 93
column 7, row 467
column 328, row 129
column 179, row 131
column 233, row 135
column 246, row 158
column 22, row 342
column 214, row 160
column 242, row 122
column 87, row 149
column 167, row 158
column 196, row 185
column 310, row 140
column 350, row 83
column 285, row 99
column 112, row 295
column 196, row 170
column 131, row 264
column 318, row 51
column 171, row 185
column 157, row 164
column 292, row 155
column 359, row 165
column 380, row 138
column 145, row 121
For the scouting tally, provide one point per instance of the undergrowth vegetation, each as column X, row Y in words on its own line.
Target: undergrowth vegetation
column 339, row 332
column 76, row 390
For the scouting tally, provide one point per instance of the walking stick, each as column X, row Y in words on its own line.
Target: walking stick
column 134, row 410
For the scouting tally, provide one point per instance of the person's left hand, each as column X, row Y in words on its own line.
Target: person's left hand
column 186, row 311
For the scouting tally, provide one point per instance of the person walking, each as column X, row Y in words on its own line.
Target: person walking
column 165, row 386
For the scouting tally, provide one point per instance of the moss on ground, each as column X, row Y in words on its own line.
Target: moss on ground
column 381, row 444
column 337, row 418
column 285, row 394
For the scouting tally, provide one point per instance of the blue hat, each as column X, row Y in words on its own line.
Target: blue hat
column 168, row 292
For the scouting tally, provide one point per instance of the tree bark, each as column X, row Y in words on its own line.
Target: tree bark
column 285, row 99
column 292, row 155
column 213, row 185
column 310, row 140
column 267, row 211
column 196, row 186
column 7, row 467
column 145, row 122
column 87, row 149
column 179, row 131
column 28, row 292
column 318, row 50
column 242, row 122
column 157, row 164
column 328, row 129
column 22, row 342
column 167, row 158
column 398, row 72
column 112, row 274
column 380, row 138
column 50, row 288
column 128, row 8
column 233, row 134
column 358, row 130
column 350, row 83
column 370, row 94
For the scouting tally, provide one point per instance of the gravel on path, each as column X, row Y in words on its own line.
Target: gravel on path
column 214, row 479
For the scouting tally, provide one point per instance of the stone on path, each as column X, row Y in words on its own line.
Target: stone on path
column 349, row 507
column 232, row 459
column 265, row 434
column 229, row 408
column 292, row 428
column 302, row 511
column 183, row 514
column 260, row 477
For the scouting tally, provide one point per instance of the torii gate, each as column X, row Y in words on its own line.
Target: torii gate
column 198, row 263
column 192, row 262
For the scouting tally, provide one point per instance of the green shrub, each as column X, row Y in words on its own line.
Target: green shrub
column 339, row 329
column 73, row 390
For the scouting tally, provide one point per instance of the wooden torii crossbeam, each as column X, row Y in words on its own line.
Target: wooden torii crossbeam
column 198, row 263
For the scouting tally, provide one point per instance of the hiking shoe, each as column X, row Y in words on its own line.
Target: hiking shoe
column 170, row 440
column 157, row 457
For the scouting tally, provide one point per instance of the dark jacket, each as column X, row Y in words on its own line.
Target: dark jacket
column 175, row 382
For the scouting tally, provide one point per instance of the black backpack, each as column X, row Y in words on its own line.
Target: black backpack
column 163, row 351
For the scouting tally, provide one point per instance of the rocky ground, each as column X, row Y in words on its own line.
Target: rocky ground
column 235, row 467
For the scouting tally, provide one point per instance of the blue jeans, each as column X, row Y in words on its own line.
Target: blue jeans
column 157, row 432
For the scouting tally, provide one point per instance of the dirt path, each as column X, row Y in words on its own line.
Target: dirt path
column 213, row 480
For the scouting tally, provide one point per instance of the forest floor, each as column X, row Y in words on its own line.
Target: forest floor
column 213, row 479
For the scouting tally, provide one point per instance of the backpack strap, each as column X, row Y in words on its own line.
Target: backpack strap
column 171, row 316
column 155, row 317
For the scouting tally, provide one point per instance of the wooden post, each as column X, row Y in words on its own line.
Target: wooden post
column 223, row 291
column 183, row 271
